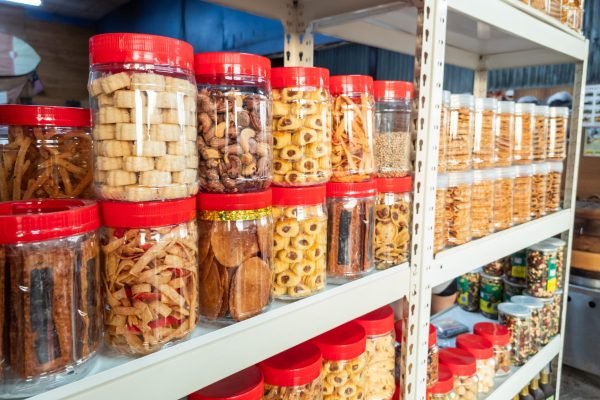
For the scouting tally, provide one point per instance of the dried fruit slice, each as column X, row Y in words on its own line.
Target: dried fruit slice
column 251, row 289
column 211, row 291
column 231, row 246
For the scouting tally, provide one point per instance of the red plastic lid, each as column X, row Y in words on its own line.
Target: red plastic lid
column 445, row 381
column 345, row 342
column 350, row 84
column 38, row 220
column 496, row 334
column 16, row 114
column 394, row 185
column 299, row 76
column 121, row 214
column 351, row 189
column 459, row 362
column 393, row 90
column 298, row 196
column 299, row 365
column 229, row 63
column 378, row 322
column 244, row 385
column 478, row 346
column 432, row 335
column 235, row 201
column 140, row 48
column 398, row 330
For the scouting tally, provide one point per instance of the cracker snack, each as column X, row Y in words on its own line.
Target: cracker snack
column 556, row 149
column 524, row 133
column 505, row 134
column 482, row 204
column 486, row 126
column 461, row 132
column 458, row 207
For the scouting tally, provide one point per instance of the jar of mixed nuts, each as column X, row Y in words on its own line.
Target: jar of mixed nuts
column 468, row 291
column 460, row 135
column 556, row 313
column 444, row 128
column 497, row 268
column 246, row 384
column 512, row 289
column 505, row 134
column 440, row 229
column 444, row 388
column 539, row 179
column 483, row 352
column 560, row 258
column 463, row 366
column 541, row 132
column 522, row 194
column 541, row 270
column 503, row 198
column 499, row 336
column 537, row 328
column 553, row 184
column 458, row 207
column 517, row 269
column 517, row 319
column 546, row 316
column 485, row 132
column 556, row 149
column 524, row 131
column 482, row 203
column 432, row 356
column 490, row 295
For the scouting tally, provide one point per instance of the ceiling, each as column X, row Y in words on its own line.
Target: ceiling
column 88, row 9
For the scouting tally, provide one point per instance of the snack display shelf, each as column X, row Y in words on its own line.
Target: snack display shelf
column 212, row 354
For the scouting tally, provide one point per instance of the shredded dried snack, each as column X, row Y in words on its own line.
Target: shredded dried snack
column 444, row 128
column 539, row 181
column 460, row 135
column 524, row 132
column 482, row 203
column 485, row 132
column 557, row 134
column 541, row 132
column 522, row 194
column 503, row 198
column 458, row 207
column 554, row 183
column 505, row 134
column 440, row 229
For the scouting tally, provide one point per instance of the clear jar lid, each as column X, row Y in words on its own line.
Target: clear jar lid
column 542, row 246
column 446, row 98
column 545, row 300
column 505, row 173
column 486, row 103
column 555, row 166
column 483, row 175
column 462, row 101
column 506, row 107
column 542, row 110
column 525, row 108
column 541, row 168
column 555, row 242
column 515, row 310
column 442, row 181
column 527, row 301
column 490, row 277
column 523, row 170
column 460, row 178
column 508, row 282
column 559, row 112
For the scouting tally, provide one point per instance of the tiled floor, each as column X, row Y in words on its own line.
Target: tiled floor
column 579, row 385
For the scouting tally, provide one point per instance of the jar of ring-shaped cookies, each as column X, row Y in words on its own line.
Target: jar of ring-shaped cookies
column 246, row 384
column 235, row 249
column 299, row 241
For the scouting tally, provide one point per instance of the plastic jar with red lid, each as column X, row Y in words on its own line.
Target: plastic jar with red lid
column 301, row 126
column 352, row 153
column 235, row 141
column 143, row 100
column 350, row 229
column 294, row 374
column 499, row 336
column 246, row 384
column 444, row 388
column 150, row 272
column 483, row 351
column 51, row 293
column 433, row 360
column 398, row 332
column 463, row 366
column 236, row 253
column 299, row 241
column 344, row 361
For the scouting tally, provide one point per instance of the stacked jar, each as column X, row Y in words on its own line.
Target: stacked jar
column 143, row 98
column 545, row 316
column 491, row 293
column 444, row 128
column 541, row 269
column 522, row 194
column 483, row 352
column 433, row 356
column 556, row 149
column 517, row 271
column 482, row 203
column 553, row 183
column 440, row 230
column 539, row 179
column 51, row 307
column 499, row 336
column 497, row 268
column 524, row 132
column 541, row 132
column 512, row 288
column 246, row 384
column 458, row 207
column 485, row 132
column 560, row 245
column 46, row 153
column 398, row 347
column 460, row 134
column 468, row 291
column 517, row 319
column 503, row 198
column 444, row 388
column 463, row 366
column 556, row 313
column 505, row 134
column 537, row 328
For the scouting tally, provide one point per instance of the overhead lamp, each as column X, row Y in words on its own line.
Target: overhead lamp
column 26, row 2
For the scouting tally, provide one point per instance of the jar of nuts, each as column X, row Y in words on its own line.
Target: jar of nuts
column 458, row 207
column 522, row 194
column 540, row 134
column 555, row 171
column 483, row 352
column 444, row 388
column 460, row 134
column 517, row 270
column 301, row 126
column 444, row 128
column 541, row 270
column 246, row 384
column 545, row 316
column 517, row 319
column 505, row 134
column 492, row 290
column 468, row 291
column 485, row 132
column 539, row 179
column 499, row 336
column 524, row 131
column 432, row 356
column 463, row 366
column 556, row 314
column 440, row 229
column 482, row 203
column 537, row 328
column 556, row 149
column 560, row 258
column 497, row 268
column 512, row 288
column 503, row 198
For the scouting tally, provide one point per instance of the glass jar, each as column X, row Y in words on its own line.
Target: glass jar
column 444, row 129
column 379, row 375
column 553, row 186
column 492, row 290
column 512, row 289
column 433, row 360
column 503, row 198
column 499, row 336
column 444, row 388
column 350, row 230
column 517, row 272
column 557, row 134
column 237, row 254
column 391, row 237
column 560, row 245
column 571, row 14
column 293, row 374
column 468, row 291
column 482, row 203
column 538, row 189
column 505, row 134
column 460, row 134
column 393, row 122
column 51, row 293
column 45, row 152
column 301, row 126
column 463, row 366
column 522, row 194
column 440, row 229
column 537, row 329
column 300, row 234
column 246, row 384
column 344, row 361
column 144, row 117
column 485, row 132
column 524, row 131
column 541, row 270
column 517, row 319
column 458, row 207
column 497, row 268
column 483, row 352
column 235, row 141
column 352, row 152
column 150, row 273
column 541, row 132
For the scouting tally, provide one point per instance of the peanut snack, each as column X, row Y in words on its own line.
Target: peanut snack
column 345, row 379
column 516, row 318
column 392, row 230
column 465, row 387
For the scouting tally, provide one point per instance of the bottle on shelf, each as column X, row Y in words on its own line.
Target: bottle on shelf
column 546, row 385
column 534, row 389
column 525, row 394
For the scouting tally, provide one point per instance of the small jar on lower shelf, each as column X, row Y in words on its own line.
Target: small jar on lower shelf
column 512, row 289
column 483, row 351
column 560, row 258
column 468, row 291
column 464, row 368
column 490, row 295
column 433, row 360
column 499, row 336
column 541, row 270
column 246, row 384
column 517, row 319
column 444, row 388
column 537, row 329
column 440, row 230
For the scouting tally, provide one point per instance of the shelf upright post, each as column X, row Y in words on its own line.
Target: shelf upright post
column 298, row 39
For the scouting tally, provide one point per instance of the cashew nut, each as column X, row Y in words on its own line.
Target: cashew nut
column 210, row 153
column 249, row 169
column 220, row 131
column 245, row 136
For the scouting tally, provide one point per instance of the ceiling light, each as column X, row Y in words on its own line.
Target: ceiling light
column 26, row 2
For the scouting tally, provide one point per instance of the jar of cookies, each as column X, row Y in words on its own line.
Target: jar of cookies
column 236, row 255
column 505, row 134
column 440, row 229
column 458, row 207
column 560, row 245
column 468, row 291
column 344, row 361
column 150, row 273
column 143, row 99
column 379, row 375
column 234, row 123
column 483, row 352
column 490, row 295
column 444, row 128
column 522, row 194
column 460, row 134
column 499, row 336
column 293, row 374
column 463, row 366
column 512, row 288
column 517, row 318
column 391, row 239
column 45, row 152
column 503, row 198
column 553, row 184
column 300, row 234
column 541, row 269
column 537, row 329
column 433, row 360
column 556, row 149
column 393, row 122
column 350, row 220
column 482, row 203
column 539, row 179
column 352, row 153
column 301, row 126
column 485, row 132
column 51, row 306
column 444, row 388
column 541, row 132
column 524, row 132
column 246, row 384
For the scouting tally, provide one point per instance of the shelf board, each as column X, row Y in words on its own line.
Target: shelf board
column 212, row 354
column 456, row 261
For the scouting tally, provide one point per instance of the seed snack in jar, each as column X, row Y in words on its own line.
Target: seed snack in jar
column 516, row 271
column 497, row 268
column 505, row 134
column 468, row 291
column 541, row 269
column 492, row 290
column 485, row 132
column 458, row 207
column 460, row 135
column 560, row 258
column 246, row 384
column 512, row 288
column 538, row 330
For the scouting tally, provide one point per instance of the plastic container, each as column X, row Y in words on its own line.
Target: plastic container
column 379, row 376
column 460, row 134
column 483, row 352
column 458, row 207
column 556, row 313
column 539, row 180
column 560, row 245
column 393, row 206
column 482, row 203
column 444, row 388
column 246, row 384
column 485, row 132
column 393, row 122
column 236, row 255
column 505, row 134
column 541, row 270
column 557, row 134
column 517, row 319
column 463, row 366
column 300, row 234
column 492, row 291
column 512, row 289
column 440, row 230
column 301, row 126
column 444, row 129
column 352, row 153
column 234, row 122
column 539, row 4
column 143, row 100
column 517, row 272
column 45, row 152
column 398, row 348
column 554, row 184
column 433, row 360
column 497, row 268
column 571, row 14
column 468, row 291
column 151, row 272
column 294, row 373
column 499, row 336
column 503, row 198
column 540, row 135
column 537, row 329
column 522, row 194
column 350, row 212
column 545, row 315
column 344, row 361
column 51, row 293
column 524, row 132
